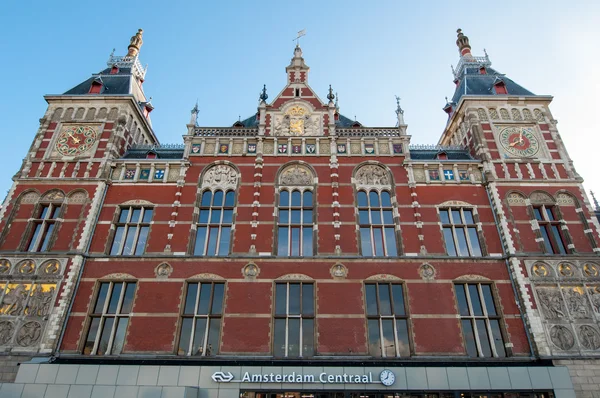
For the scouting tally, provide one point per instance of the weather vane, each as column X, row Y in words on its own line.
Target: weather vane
column 300, row 34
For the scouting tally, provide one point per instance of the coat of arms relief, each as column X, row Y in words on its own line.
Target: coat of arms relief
column 297, row 121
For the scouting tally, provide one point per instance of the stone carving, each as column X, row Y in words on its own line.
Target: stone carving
column 541, row 197
column 481, row 114
column 504, row 114
column 427, row 271
column 594, row 293
column 220, row 175
column 137, row 202
column 296, row 175
column 566, row 270
column 541, row 270
column 40, row 301
column 162, row 271
column 297, row 121
column 552, row 303
column 591, row 270
column 78, row 197
column 293, row 277
column 516, row 115
column 539, row 116
column 207, row 277
column 4, row 266
column 339, row 270
column 493, row 113
column 516, row 199
column 29, row 333
column 589, row 337
column 472, row 277
column 527, row 114
column 51, row 267
column 562, row 337
column 6, row 331
column 26, row 267
column 383, row 277
column 576, row 302
column 371, row 175
column 30, row 197
column 54, row 196
column 250, row 271
column 564, row 199
column 14, row 299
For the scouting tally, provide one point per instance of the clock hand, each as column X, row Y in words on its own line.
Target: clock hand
column 75, row 139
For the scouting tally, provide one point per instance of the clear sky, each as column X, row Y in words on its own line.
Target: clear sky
column 222, row 52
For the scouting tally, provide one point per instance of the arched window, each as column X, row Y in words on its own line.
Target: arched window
column 45, row 222
column 216, row 212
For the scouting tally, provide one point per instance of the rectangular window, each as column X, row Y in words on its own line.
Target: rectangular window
column 215, row 223
column 480, row 320
column 295, row 224
column 294, row 334
column 131, row 231
column 201, row 319
column 43, row 226
column 550, row 228
column 109, row 318
column 376, row 224
column 387, row 320
column 460, row 232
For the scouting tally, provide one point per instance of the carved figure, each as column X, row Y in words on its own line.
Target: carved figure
column 6, row 331
column 562, row 337
column 576, row 303
column 566, row 269
column 250, row 270
column 427, row 271
column 591, row 270
column 339, row 271
column 4, row 266
column 595, row 297
column 29, row 333
column 14, row 300
column 39, row 302
column 372, row 175
column 221, row 175
column 164, row 270
column 26, row 267
column 551, row 303
column 296, row 175
column 590, row 338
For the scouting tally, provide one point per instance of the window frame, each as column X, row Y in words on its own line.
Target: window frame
column 43, row 241
column 463, row 225
column 127, row 225
column 550, row 226
column 210, row 225
column 302, row 226
column 379, row 226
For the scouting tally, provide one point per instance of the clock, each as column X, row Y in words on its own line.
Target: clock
column 387, row 377
column 75, row 140
column 519, row 141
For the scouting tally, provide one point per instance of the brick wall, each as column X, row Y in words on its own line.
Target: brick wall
column 9, row 366
column 585, row 375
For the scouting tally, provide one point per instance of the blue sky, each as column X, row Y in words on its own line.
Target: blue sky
column 221, row 53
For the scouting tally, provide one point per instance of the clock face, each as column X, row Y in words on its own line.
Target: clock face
column 387, row 377
column 519, row 141
column 75, row 140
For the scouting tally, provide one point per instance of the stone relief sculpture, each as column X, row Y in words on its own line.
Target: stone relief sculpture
column 576, row 302
column 372, row 175
column 29, row 333
column 589, row 337
column 595, row 298
column 562, row 337
column 14, row 299
column 220, row 175
column 6, row 331
column 40, row 302
column 296, row 175
column 551, row 303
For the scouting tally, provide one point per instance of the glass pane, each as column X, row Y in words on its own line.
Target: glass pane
column 34, row 238
column 385, row 305
column 105, row 336
column 91, row 337
column 444, row 217
column 101, row 298
column 147, row 215
column 119, row 340
column 46, row 237
column 463, row 249
column 218, row 199
column 537, row 213
column 214, row 331
column 469, row 338
column 200, row 240
column 398, row 297
column 296, row 216
column 474, row 241
column 282, row 242
column 373, row 199
column 128, row 299
column 284, row 198
column 279, row 339
column 390, row 242
column 215, row 216
column 224, row 242
column 44, row 211
column 280, row 298
column 307, row 299
column 468, row 216
column 295, row 242
column 229, row 199
column 199, row 333
column 307, row 200
column 206, row 197
column 361, row 199
column 123, row 215
column 135, row 215
column 378, row 241
column 550, row 213
column 389, row 342
column 385, row 199
column 284, row 216
column 308, row 337
column 449, row 239
column 184, row 337
column 388, row 217
column 115, row 296
column 484, row 341
column 211, row 249
column 217, row 303
column 129, row 243
column 293, row 337
column 456, row 216
column 376, row 216
column 203, row 218
column 461, row 298
column 547, row 244
column 307, row 244
column 294, row 299
column 365, row 242
column 307, row 217
column 363, row 217
column 190, row 298
column 403, row 342
column 56, row 212
column 371, row 299
column 488, row 299
column 227, row 216
column 497, row 338
column 296, row 199
column 557, row 239
column 374, row 338
column 141, row 243
column 204, row 299
column 475, row 302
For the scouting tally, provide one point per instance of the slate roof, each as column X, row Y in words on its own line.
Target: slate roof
column 119, row 83
column 252, row 121
column 431, row 154
column 161, row 153
column 474, row 83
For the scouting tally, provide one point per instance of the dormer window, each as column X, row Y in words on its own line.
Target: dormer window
column 441, row 156
column 151, row 155
column 238, row 124
column 96, row 87
column 114, row 70
column 500, row 87
column 482, row 71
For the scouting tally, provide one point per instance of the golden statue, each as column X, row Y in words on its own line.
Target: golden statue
column 135, row 44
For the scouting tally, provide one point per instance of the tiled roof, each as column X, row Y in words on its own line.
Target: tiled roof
column 474, row 83
column 428, row 154
column 118, row 83
column 161, row 153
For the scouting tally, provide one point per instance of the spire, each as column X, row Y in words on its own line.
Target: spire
column 263, row 96
column 596, row 205
column 135, row 44
column 297, row 70
column 330, row 96
column 464, row 48
column 337, row 105
column 399, row 112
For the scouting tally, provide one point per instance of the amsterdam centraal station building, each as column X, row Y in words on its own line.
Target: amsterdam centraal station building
column 298, row 253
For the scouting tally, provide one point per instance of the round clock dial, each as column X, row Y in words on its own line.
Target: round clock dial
column 387, row 377
column 519, row 141
column 74, row 140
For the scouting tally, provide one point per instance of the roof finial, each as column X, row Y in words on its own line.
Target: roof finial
column 300, row 34
column 399, row 112
column 337, row 106
column 263, row 96
column 135, row 44
column 330, row 96
column 194, row 117
column 464, row 48
column 596, row 205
